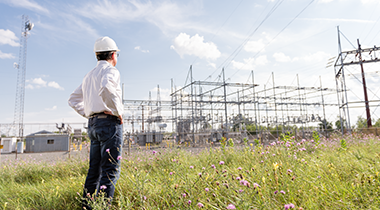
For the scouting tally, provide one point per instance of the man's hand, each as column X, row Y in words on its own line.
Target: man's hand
column 120, row 117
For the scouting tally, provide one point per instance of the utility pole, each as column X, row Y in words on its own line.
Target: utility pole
column 369, row 122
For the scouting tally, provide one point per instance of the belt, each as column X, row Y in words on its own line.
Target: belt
column 101, row 115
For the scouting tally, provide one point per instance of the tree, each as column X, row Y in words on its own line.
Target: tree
column 377, row 123
column 361, row 123
column 338, row 125
column 325, row 125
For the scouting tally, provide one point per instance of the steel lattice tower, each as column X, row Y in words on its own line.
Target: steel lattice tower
column 18, row 122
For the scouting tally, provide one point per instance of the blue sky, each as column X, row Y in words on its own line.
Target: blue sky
column 159, row 40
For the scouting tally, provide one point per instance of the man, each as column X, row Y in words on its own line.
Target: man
column 99, row 98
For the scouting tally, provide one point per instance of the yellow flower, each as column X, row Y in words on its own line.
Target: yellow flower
column 263, row 179
column 275, row 166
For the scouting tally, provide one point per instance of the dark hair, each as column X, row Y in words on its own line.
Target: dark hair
column 106, row 55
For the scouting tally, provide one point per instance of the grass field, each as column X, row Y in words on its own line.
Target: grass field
column 336, row 173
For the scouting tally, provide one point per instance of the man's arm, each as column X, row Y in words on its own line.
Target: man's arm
column 76, row 101
column 110, row 92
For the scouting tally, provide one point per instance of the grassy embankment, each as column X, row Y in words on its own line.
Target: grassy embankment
column 311, row 174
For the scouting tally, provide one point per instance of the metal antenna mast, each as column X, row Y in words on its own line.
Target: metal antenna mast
column 20, row 89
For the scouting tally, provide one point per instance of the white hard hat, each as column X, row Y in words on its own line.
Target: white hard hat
column 105, row 44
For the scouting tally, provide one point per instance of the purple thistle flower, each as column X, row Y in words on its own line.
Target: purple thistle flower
column 231, row 206
column 103, row 187
column 200, row 205
column 238, row 178
column 221, row 163
column 154, row 152
column 184, row 195
column 207, row 189
column 191, row 167
column 255, row 185
column 290, row 171
column 171, row 173
column 144, row 197
column 240, row 191
column 283, row 192
column 119, row 157
column 212, row 166
column 239, row 168
column 189, row 202
column 275, row 192
column 203, row 168
column 200, row 174
column 108, row 150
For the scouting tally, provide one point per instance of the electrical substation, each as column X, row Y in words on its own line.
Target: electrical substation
column 205, row 112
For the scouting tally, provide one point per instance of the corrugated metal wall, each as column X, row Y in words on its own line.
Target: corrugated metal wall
column 47, row 143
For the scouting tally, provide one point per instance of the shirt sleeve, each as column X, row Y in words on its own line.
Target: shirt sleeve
column 76, row 101
column 110, row 91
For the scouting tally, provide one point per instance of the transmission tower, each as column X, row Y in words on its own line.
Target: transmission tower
column 18, row 122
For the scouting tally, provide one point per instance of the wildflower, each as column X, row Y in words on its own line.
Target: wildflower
column 200, row 174
column 275, row 165
column 275, row 192
column 290, row 171
column 239, row 168
column 231, row 206
column 262, row 161
column 283, row 192
column 212, row 166
column 171, row 173
column 200, row 205
column 119, row 157
column 255, row 185
column 189, row 202
column 289, row 206
column 191, row 167
column 184, row 195
column 240, row 191
column 154, row 152
column 144, row 197
column 274, row 154
column 221, row 163
column 207, row 189
column 238, row 178
column 103, row 187
column 203, row 168
column 108, row 150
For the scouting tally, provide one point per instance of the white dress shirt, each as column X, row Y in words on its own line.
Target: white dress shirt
column 100, row 91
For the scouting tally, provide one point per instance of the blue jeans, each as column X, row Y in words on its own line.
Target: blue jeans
column 106, row 135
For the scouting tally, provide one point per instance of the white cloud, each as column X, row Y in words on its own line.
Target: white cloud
column 51, row 109
column 184, row 44
column 6, row 55
column 281, row 57
column 139, row 49
column 213, row 65
column 55, row 85
column 30, row 5
column 40, row 83
column 316, row 57
column 254, row 46
column 261, row 60
column 8, row 37
column 250, row 63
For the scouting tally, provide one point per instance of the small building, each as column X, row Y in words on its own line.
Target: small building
column 45, row 141
column 9, row 144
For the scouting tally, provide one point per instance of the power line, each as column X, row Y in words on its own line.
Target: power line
column 276, row 35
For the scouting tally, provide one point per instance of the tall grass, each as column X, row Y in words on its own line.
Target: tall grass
column 328, row 174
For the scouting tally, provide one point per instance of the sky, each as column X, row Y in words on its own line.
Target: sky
column 160, row 39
